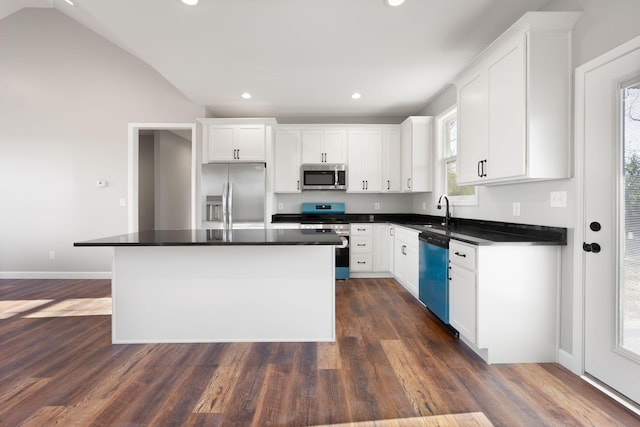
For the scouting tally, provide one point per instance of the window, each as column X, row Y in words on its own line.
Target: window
column 448, row 142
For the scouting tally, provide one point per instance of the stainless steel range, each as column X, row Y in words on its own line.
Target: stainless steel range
column 325, row 217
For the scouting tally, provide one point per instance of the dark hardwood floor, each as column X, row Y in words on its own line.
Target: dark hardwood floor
column 392, row 365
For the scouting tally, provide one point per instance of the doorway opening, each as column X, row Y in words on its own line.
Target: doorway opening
column 162, row 178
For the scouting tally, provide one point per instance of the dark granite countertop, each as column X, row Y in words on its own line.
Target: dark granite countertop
column 475, row 232
column 202, row 237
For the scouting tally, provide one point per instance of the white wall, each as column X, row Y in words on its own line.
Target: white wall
column 66, row 98
column 172, row 181
column 602, row 26
column 146, row 182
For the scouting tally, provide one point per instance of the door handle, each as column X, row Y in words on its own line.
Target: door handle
column 591, row 247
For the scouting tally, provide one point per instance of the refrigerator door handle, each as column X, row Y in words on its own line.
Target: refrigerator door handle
column 230, row 202
column 225, row 196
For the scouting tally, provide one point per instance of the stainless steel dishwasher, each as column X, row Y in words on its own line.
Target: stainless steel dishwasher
column 433, row 290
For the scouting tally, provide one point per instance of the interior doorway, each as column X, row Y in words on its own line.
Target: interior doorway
column 162, row 178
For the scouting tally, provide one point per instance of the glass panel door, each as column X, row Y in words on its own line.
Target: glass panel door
column 629, row 285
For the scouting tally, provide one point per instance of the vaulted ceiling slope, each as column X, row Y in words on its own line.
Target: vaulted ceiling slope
column 300, row 58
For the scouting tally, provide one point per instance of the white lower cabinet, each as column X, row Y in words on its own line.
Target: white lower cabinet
column 383, row 247
column 406, row 258
column 361, row 247
column 504, row 300
column 371, row 250
column 462, row 290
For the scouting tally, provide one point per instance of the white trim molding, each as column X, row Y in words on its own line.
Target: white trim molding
column 55, row 275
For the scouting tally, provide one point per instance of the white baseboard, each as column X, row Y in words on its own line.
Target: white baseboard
column 570, row 361
column 55, row 275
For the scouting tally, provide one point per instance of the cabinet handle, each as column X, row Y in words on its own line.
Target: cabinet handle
column 367, row 184
column 362, row 262
column 388, row 185
column 484, row 168
column 391, row 231
column 480, row 168
column 361, row 229
column 298, row 185
column 238, row 154
column 361, row 244
column 459, row 254
column 409, row 183
column 363, row 184
column 403, row 249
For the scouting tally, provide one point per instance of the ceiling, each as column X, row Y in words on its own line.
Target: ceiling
column 300, row 58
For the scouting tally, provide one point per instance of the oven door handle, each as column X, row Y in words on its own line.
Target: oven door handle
column 345, row 242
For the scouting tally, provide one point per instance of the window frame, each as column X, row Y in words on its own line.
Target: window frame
column 442, row 150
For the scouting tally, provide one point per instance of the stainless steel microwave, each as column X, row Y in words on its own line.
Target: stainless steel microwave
column 323, row 176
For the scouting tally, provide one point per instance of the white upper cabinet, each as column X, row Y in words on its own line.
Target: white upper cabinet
column 391, row 175
column 416, row 154
column 324, row 146
column 365, row 160
column 514, row 104
column 228, row 143
column 288, row 154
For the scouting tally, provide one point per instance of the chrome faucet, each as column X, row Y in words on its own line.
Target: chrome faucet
column 447, row 214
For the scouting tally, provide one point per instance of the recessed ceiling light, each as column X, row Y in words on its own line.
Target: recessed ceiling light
column 394, row 2
column 356, row 95
column 70, row 2
column 246, row 95
column 190, row 2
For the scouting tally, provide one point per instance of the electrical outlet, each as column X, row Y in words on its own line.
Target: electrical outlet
column 516, row 208
column 376, row 205
column 52, row 255
column 280, row 206
column 558, row 199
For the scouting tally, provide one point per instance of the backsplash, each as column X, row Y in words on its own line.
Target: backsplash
column 355, row 203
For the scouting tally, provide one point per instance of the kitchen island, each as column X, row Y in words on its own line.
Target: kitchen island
column 222, row 285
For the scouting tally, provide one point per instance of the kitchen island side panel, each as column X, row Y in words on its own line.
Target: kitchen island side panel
column 176, row 294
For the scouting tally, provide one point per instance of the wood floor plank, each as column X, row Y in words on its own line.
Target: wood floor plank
column 393, row 364
column 221, row 386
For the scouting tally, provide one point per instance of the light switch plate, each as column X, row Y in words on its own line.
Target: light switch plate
column 516, row 208
column 558, row 199
column 376, row 205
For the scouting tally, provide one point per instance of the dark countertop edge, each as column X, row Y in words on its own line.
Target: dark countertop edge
column 464, row 228
column 98, row 244
column 239, row 237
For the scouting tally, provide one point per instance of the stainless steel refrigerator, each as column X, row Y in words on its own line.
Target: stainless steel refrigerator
column 234, row 195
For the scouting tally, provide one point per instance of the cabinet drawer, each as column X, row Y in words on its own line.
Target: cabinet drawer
column 462, row 255
column 361, row 229
column 360, row 262
column 360, row 244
